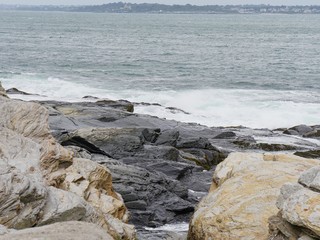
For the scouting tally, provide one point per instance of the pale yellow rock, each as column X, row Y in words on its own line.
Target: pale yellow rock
column 2, row 91
column 93, row 182
column 60, row 231
column 41, row 182
column 243, row 196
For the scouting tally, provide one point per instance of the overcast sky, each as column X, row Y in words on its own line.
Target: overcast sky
column 197, row 2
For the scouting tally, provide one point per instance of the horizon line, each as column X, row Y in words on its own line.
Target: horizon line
column 66, row 5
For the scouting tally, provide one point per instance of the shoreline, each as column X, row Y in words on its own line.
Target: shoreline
column 175, row 160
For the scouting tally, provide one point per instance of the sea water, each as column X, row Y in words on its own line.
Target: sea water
column 260, row 71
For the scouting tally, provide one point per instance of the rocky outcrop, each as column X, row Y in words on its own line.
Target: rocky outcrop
column 243, row 195
column 58, row 231
column 154, row 159
column 299, row 206
column 43, row 183
column 304, row 131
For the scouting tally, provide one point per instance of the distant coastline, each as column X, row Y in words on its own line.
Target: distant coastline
column 121, row 7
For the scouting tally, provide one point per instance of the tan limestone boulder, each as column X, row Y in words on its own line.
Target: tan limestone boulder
column 243, row 195
column 58, row 231
column 42, row 183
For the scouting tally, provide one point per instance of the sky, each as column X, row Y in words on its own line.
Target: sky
column 196, row 2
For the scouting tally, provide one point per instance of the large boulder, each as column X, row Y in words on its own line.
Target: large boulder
column 243, row 195
column 42, row 182
column 58, row 231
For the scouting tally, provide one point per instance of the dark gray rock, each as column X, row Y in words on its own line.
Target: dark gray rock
column 160, row 198
column 313, row 134
column 302, row 129
column 17, row 91
column 225, row 135
column 168, row 138
column 309, row 154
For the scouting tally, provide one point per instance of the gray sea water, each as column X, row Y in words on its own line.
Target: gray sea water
column 252, row 70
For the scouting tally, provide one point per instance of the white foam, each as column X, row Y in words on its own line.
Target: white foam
column 211, row 107
column 176, row 227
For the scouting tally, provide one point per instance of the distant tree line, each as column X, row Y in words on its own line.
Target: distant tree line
column 121, row 7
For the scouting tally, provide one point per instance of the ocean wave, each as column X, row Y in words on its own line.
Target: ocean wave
column 211, row 107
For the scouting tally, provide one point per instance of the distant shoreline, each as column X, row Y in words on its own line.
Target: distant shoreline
column 121, row 7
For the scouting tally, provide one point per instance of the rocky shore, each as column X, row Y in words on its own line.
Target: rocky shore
column 98, row 165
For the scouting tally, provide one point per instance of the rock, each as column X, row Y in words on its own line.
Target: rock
column 60, row 231
column 17, row 91
column 42, row 182
column 245, row 141
column 121, row 104
column 22, row 199
column 2, row 91
column 168, row 138
column 243, row 195
column 114, row 142
column 311, row 178
column 302, row 209
column 309, row 154
column 225, row 135
column 313, row 134
column 177, row 110
column 281, row 230
column 291, row 132
column 300, row 129
column 90, row 97
column 250, row 143
column 151, row 196
column 61, row 206
column 152, row 155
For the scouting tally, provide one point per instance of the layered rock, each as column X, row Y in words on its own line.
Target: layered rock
column 58, row 231
column 42, row 182
column 243, row 195
column 299, row 206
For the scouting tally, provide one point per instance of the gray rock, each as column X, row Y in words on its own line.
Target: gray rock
column 309, row 154
column 22, row 198
column 286, row 191
column 225, row 135
column 311, row 178
column 302, row 129
column 313, row 134
column 17, row 91
column 152, row 198
column 168, row 138
column 62, row 206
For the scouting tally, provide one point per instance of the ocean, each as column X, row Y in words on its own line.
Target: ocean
column 260, row 71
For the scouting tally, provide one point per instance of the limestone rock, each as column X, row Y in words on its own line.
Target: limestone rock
column 60, row 231
column 2, row 91
column 22, row 199
column 299, row 206
column 93, row 182
column 311, row 178
column 42, row 183
column 243, row 195
column 302, row 208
